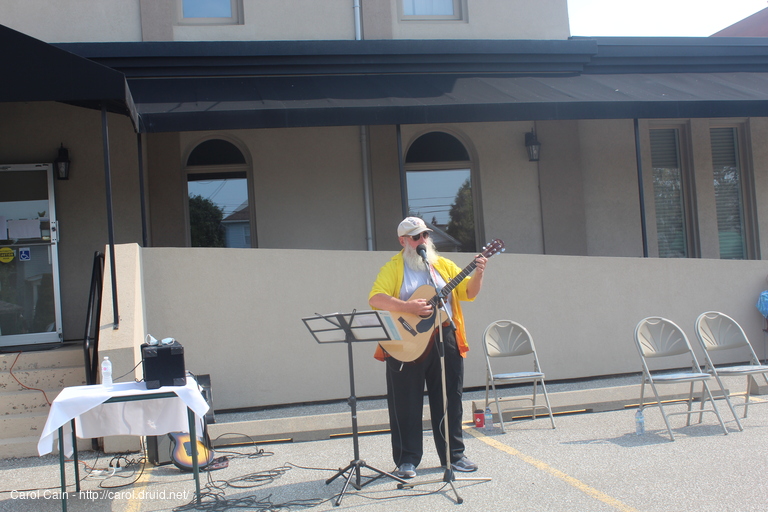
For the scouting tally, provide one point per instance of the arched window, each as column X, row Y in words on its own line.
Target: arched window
column 218, row 193
column 439, row 188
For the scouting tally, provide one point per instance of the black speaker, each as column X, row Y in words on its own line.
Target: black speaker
column 159, row 450
column 163, row 365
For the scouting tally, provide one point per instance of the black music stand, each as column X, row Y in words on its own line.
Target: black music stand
column 349, row 328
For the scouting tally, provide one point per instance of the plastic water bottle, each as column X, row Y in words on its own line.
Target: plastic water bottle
column 488, row 419
column 106, row 373
column 639, row 422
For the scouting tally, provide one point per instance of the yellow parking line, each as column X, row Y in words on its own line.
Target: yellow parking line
column 134, row 505
column 543, row 466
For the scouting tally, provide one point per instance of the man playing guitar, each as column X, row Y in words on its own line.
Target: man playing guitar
column 395, row 290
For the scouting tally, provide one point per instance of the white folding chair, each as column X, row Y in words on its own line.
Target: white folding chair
column 657, row 337
column 717, row 331
column 506, row 339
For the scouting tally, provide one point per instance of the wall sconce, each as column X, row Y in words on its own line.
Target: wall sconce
column 62, row 164
column 533, row 146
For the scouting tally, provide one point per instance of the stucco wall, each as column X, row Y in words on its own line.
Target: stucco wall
column 33, row 132
column 269, row 20
column 611, row 196
column 492, row 19
column 243, row 325
column 54, row 21
column 307, row 185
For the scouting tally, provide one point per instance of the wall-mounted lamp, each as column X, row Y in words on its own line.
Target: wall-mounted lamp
column 533, row 146
column 62, row 164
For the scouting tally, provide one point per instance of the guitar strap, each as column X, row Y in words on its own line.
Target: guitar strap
column 437, row 278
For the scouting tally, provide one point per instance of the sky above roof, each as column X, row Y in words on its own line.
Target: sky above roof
column 657, row 18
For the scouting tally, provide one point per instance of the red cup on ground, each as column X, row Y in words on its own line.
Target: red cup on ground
column 479, row 419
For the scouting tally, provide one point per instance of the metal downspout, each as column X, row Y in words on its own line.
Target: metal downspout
column 365, row 150
column 401, row 168
column 641, row 189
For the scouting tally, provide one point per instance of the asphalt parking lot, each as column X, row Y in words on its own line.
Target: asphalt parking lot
column 590, row 462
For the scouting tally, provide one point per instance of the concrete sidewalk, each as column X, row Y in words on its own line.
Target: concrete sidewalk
column 592, row 461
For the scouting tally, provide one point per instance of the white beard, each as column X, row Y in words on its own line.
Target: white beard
column 414, row 261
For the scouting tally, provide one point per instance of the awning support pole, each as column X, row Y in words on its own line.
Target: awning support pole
column 641, row 189
column 110, row 223
column 142, row 198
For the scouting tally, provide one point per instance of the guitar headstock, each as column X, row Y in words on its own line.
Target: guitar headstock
column 493, row 247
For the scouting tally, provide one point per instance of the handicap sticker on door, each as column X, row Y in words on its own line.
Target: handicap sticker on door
column 25, row 254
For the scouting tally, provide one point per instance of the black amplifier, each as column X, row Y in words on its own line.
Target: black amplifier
column 163, row 364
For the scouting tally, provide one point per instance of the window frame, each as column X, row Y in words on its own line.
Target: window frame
column 236, row 7
column 687, row 183
column 448, row 165
column 459, row 13
column 747, row 188
column 224, row 170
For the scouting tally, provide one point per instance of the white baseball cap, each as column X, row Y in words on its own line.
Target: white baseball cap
column 411, row 226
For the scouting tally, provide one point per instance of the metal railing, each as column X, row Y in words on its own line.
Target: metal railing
column 91, row 336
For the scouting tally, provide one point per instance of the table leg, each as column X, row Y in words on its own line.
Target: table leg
column 62, row 471
column 193, row 443
column 75, row 457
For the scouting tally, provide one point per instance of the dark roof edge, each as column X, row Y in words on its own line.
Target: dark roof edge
column 578, row 54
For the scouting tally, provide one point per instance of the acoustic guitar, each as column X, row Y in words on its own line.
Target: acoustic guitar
column 416, row 330
column 181, row 451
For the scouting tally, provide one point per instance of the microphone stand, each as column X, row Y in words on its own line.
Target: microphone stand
column 448, row 475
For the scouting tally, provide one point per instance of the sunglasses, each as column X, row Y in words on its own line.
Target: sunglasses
column 424, row 234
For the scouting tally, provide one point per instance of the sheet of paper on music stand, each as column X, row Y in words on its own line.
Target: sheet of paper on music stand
column 367, row 325
column 389, row 324
column 324, row 329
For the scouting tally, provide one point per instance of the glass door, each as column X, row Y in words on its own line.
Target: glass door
column 30, row 307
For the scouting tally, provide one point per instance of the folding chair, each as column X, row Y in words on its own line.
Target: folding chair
column 657, row 337
column 717, row 331
column 503, row 339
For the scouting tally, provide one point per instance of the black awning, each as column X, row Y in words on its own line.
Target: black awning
column 37, row 71
column 215, row 103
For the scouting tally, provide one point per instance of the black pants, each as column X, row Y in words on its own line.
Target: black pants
column 405, row 398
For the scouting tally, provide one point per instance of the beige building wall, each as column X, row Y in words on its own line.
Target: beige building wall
column 56, row 21
column 490, row 19
column 611, row 195
column 308, row 186
column 32, row 133
column 279, row 20
column 243, row 327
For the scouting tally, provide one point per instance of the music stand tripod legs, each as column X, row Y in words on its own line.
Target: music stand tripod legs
column 345, row 324
column 355, row 466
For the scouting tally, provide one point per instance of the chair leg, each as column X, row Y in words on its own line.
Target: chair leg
column 498, row 409
column 690, row 407
column 661, row 407
column 746, row 399
column 549, row 407
column 730, row 404
column 714, row 408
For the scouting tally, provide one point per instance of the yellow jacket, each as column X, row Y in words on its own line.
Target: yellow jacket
column 390, row 280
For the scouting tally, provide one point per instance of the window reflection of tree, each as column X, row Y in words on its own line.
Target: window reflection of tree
column 439, row 188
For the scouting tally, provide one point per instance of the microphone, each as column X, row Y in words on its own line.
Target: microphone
column 421, row 250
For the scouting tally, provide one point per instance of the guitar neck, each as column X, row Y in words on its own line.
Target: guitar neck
column 448, row 288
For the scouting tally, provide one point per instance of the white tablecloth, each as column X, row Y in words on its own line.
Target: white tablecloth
column 94, row 418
